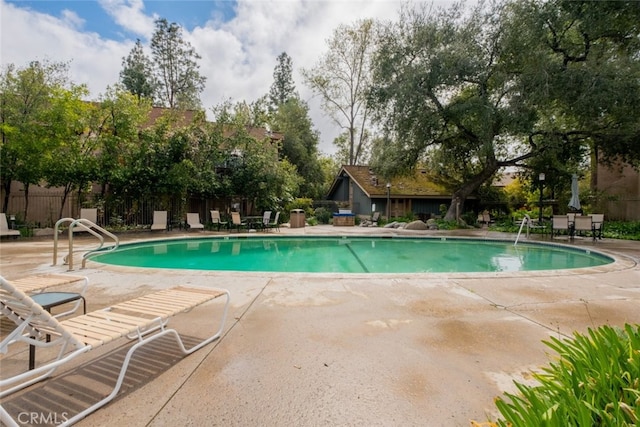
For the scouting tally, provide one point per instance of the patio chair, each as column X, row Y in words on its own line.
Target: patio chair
column 266, row 217
column 560, row 223
column 375, row 218
column 275, row 224
column 484, row 218
column 4, row 227
column 237, row 222
column 598, row 224
column 142, row 319
column 159, row 220
column 534, row 225
column 215, row 220
column 90, row 214
column 193, row 221
column 584, row 223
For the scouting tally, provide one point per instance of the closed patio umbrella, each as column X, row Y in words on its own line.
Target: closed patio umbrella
column 574, row 203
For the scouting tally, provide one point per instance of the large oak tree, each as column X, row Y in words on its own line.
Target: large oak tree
column 508, row 84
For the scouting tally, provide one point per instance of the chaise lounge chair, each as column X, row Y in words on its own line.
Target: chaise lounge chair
column 42, row 289
column 143, row 319
column 4, row 227
column 159, row 220
column 89, row 214
column 193, row 221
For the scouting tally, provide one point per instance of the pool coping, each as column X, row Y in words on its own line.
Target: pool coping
column 619, row 262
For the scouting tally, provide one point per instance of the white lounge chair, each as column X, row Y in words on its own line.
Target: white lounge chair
column 45, row 284
column 42, row 290
column 193, row 221
column 159, row 220
column 143, row 319
column 90, row 214
column 4, row 227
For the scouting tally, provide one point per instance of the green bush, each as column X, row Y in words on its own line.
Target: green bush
column 322, row 215
column 594, row 382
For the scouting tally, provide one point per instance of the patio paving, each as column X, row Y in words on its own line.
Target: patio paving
column 336, row 349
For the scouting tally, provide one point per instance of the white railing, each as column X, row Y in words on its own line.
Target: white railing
column 81, row 224
column 529, row 223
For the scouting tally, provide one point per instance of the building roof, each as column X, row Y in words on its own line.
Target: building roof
column 417, row 186
column 186, row 117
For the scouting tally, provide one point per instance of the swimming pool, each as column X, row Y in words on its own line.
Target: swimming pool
column 350, row 255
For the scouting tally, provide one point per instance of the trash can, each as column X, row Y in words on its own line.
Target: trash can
column 297, row 219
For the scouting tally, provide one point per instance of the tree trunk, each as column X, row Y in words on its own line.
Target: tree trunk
column 7, row 191
column 65, row 195
column 26, row 201
column 459, row 196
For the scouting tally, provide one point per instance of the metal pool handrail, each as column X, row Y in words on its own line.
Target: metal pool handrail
column 85, row 225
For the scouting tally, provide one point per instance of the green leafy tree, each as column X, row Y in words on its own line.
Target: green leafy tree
column 342, row 78
column 71, row 162
column 300, row 145
column 179, row 82
column 580, row 70
column 470, row 93
column 441, row 94
column 252, row 170
column 115, row 124
column 28, row 136
column 283, row 87
column 137, row 73
column 330, row 167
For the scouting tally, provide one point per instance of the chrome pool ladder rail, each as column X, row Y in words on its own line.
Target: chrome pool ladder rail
column 81, row 224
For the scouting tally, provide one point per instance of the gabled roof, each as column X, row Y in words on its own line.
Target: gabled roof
column 417, row 186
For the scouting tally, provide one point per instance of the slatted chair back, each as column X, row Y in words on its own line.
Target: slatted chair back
column 29, row 317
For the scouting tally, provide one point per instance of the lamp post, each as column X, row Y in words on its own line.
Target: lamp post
column 541, row 179
column 388, row 200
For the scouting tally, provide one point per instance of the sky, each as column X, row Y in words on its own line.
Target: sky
column 239, row 41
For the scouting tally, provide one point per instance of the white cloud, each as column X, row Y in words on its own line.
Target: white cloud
column 27, row 36
column 72, row 19
column 129, row 14
column 238, row 56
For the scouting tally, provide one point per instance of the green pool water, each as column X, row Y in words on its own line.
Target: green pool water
column 350, row 255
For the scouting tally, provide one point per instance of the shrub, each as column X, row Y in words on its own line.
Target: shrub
column 595, row 381
column 322, row 215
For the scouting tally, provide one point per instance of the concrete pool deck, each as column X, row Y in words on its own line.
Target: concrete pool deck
column 336, row 349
